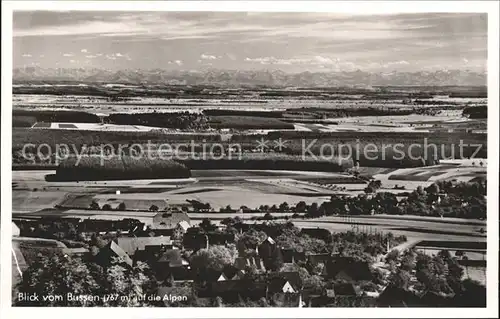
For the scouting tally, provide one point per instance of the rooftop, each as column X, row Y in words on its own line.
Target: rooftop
column 131, row 244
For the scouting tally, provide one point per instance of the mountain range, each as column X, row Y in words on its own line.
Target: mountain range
column 235, row 78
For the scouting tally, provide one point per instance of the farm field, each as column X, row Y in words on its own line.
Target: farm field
column 221, row 188
column 440, row 113
column 289, row 117
column 104, row 105
column 408, row 224
column 255, row 125
column 237, row 191
column 38, row 179
column 94, row 127
column 410, row 233
column 357, row 127
column 438, row 229
column 471, row 255
column 411, row 178
column 250, row 159
column 413, row 231
column 143, row 216
column 197, row 175
column 251, row 125
column 33, row 200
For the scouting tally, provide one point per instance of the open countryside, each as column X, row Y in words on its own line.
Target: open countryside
column 249, row 187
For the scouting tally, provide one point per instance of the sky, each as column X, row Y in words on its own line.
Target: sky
column 291, row 42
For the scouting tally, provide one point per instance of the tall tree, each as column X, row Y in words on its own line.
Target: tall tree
column 214, row 257
column 55, row 276
column 207, row 225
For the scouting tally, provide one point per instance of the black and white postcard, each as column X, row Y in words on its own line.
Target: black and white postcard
column 167, row 156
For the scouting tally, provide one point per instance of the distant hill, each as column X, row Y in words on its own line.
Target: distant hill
column 234, row 78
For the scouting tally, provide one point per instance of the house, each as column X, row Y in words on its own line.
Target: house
column 267, row 245
column 318, row 233
column 285, row 282
column 347, row 269
column 314, row 260
column 76, row 252
column 171, row 264
column 212, row 275
column 330, row 293
column 314, row 298
column 183, row 226
column 133, row 244
column 178, row 232
column 316, row 301
column 231, row 291
column 169, row 296
column 196, row 239
column 241, row 263
column 90, row 225
column 287, row 299
column 180, row 275
column 434, row 299
column 397, row 297
column 239, row 275
column 169, row 220
column 242, row 227
column 109, row 252
column 291, row 255
column 371, row 292
column 280, row 285
column 231, row 273
column 173, row 258
column 346, row 290
column 219, row 238
column 101, row 223
column 270, row 253
column 149, row 255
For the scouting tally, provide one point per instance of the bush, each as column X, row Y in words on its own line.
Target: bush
column 94, row 205
column 268, row 216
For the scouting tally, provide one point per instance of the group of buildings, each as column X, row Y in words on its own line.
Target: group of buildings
column 166, row 245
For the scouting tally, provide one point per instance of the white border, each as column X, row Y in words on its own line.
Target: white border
column 358, row 7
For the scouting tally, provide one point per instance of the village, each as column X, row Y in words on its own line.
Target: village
column 235, row 262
